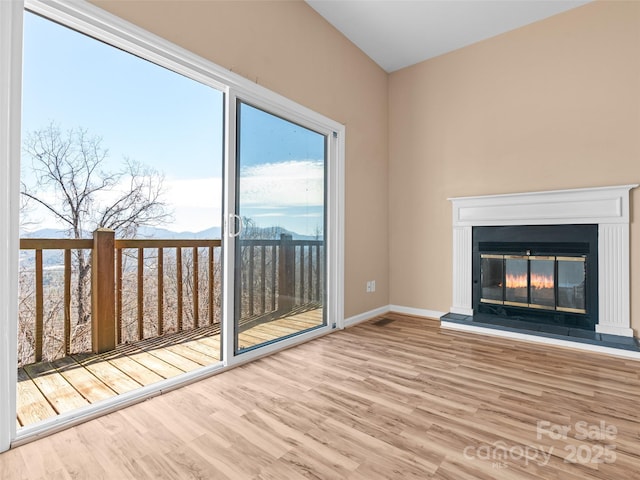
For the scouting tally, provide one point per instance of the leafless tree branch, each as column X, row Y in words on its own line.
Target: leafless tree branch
column 70, row 183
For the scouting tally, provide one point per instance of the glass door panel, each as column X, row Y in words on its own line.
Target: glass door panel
column 280, row 247
column 492, row 274
column 571, row 284
column 121, row 163
column 542, row 282
column 516, row 280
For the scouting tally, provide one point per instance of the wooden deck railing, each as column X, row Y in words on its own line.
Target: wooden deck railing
column 107, row 271
column 277, row 275
column 160, row 246
column 67, row 245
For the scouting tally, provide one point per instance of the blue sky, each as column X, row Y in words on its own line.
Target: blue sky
column 281, row 166
column 174, row 124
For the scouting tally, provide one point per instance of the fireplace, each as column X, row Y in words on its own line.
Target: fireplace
column 606, row 264
column 543, row 274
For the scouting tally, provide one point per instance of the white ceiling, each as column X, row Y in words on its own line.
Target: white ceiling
column 399, row 33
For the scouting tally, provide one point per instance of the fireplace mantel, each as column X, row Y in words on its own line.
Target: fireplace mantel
column 608, row 207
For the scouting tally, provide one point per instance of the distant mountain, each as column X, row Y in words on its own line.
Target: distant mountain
column 143, row 232
column 273, row 233
column 163, row 233
column 44, row 233
column 53, row 259
column 215, row 232
column 153, row 232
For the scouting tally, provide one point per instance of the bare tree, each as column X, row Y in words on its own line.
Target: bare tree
column 70, row 183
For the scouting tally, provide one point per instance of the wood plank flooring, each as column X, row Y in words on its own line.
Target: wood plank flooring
column 46, row 389
column 403, row 400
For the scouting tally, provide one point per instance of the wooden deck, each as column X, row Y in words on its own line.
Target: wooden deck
column 46, row 389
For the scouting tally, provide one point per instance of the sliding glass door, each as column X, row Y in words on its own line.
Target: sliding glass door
column 268, row 279
column 280, row 230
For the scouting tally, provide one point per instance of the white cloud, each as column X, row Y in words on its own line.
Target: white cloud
column 196, row 203
column 194, row 219
column 295, row 183
column 195, row 192
column 273, row 187
column 264, row 215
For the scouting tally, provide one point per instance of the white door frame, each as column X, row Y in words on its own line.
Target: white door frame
column 334, row 209
column 10, row 124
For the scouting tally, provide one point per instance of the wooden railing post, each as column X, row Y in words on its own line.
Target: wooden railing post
column 39, row 307
column 103, row 318
column 286, row 274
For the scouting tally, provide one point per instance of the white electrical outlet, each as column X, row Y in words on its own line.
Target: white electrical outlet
column 371, row 286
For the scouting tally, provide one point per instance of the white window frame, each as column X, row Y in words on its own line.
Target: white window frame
column 104, row 26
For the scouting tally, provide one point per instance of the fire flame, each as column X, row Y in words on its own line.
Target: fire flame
column 538, row 281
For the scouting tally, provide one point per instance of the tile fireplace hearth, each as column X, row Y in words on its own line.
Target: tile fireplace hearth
column 500, row 324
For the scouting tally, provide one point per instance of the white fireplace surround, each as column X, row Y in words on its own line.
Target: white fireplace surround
column 608, row 207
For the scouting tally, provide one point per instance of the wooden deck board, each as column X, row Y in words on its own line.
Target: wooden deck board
column 211, row 350
column 174, row 359
column 33, row 405
column 199, row 358
column 280, row 327
column 156, row 364
column 87, row 384
column 59, row 392
column 134, row 370
column 108, row 373
column 48, row 388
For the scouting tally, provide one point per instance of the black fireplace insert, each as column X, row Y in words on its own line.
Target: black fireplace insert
column 544, row 274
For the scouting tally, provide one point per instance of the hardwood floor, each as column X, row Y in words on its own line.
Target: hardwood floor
column 402, row 399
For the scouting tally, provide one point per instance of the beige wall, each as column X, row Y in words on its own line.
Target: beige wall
column 553, row 105
column 288, row 48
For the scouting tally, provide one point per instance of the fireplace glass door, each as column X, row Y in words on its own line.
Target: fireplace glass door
column 516, row 280
column 571, row 284
column 492, row 272
column 541, row 282
column 541, row 274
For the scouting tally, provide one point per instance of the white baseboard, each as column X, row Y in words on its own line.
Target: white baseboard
column 618, row 352
column 419, row 312
column 416, row 311
column 363, row 317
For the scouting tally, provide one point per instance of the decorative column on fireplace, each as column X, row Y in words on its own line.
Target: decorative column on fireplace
column 583, row 278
